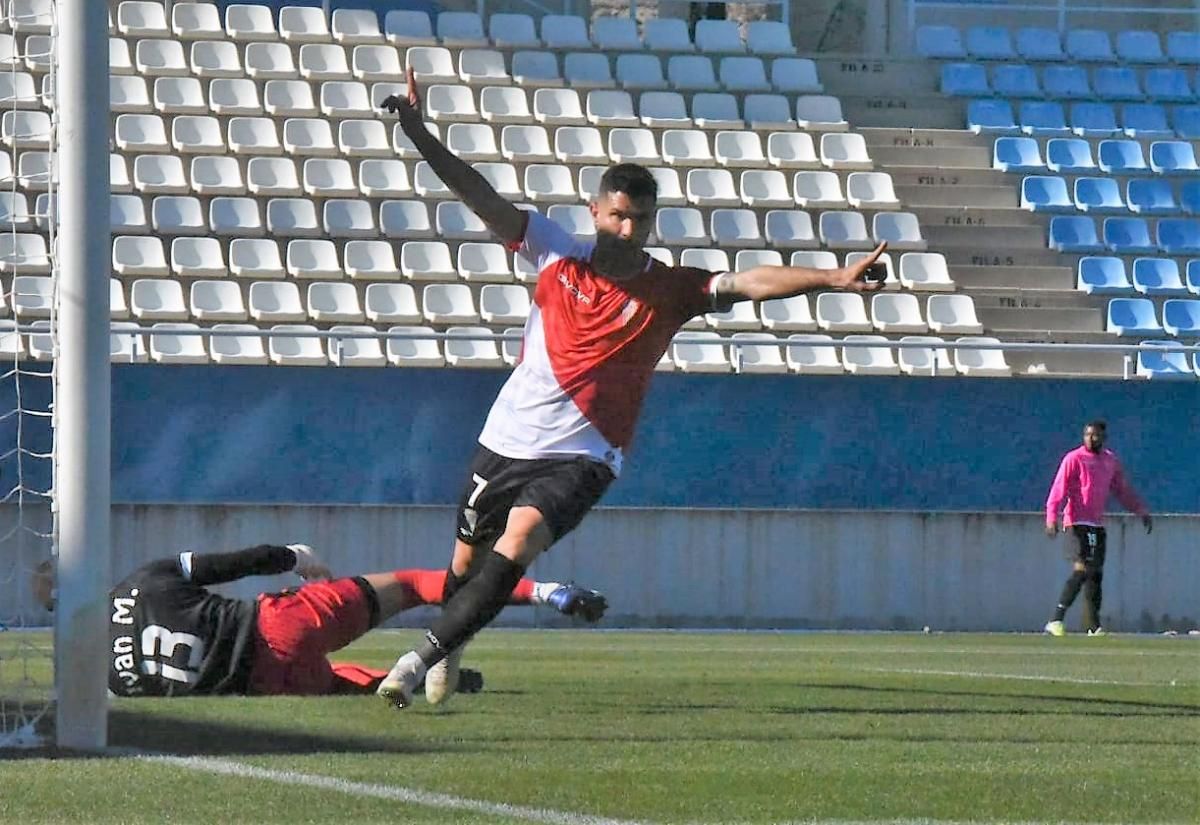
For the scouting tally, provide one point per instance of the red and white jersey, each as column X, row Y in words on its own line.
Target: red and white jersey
column 590, row 347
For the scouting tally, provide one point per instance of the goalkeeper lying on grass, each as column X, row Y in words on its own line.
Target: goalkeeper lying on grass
column 171, row 636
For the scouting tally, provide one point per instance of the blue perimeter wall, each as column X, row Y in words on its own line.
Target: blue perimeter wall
column 210, row 434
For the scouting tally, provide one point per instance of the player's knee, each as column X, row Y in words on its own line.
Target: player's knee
column 525, row 535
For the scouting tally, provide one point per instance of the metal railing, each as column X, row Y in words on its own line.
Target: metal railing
column 1066, row 13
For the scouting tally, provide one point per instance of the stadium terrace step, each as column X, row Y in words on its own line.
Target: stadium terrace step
column 1011, row 237
column 974, row 198
column 902, row 109
column 968, row 252
column 941, row 215
column 1042, row 297
column 1054, row 319
column 926, row 139
column 1056, row 364
column 856, row 75
column 937, row 178
column 953, row 157
column 1013, row 277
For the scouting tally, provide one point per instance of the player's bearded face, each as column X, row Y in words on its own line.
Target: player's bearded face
column 616, row 254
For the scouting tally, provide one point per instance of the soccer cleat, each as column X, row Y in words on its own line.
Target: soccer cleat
column 1097, row 631
column 573, row 600
column 398, row 686
column 469, row 681
column 442, row 679
column 1055, row 628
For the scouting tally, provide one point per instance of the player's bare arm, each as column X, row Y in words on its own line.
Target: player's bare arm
column 762, row 283
column 505, row 220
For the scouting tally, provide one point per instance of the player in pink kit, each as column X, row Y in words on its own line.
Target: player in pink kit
column 603, row 314
column 1085, row 477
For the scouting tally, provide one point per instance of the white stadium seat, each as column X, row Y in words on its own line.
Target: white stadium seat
column 412, row 351
column 255, row 258
column 356, row 351
column 370, row 260
column 237, row 349
column 217, row 301
column 296, row 350
column 392, row 304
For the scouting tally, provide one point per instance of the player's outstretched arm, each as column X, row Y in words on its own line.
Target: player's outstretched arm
column 505, row 220
column 762, row 283
column 261, row 560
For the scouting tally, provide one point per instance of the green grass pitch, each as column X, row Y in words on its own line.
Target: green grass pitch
column 584, row 727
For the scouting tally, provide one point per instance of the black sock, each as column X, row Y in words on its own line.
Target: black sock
column 474, row 605
column 1069, row 592
column 1092, row 592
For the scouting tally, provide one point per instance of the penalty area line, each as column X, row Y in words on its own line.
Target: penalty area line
column 449, row 802
column 979, row 674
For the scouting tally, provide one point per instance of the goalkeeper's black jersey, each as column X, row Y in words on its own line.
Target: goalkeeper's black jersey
column 171, row 636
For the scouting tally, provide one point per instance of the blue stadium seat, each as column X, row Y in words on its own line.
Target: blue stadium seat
column 1181, row 317
column 1128, row 236
column 1132, row 316
column 1094, row 119
column 1135, row 46
column 1045, row 193
column 990, row 43
column 940, row 42
column 1184, row 48
column 1186, row 120
column 1150, row 196
column 1179, row 236
column 1069, row 156
column 1017, row 154
column 1074, row 233
column 1157, row 276
column 1102, row 275
column 1121, row 157
column 1015, row 81
column 1039, row 45
column 1168, row 85
column 965, row 80
column 991, row 116
column 1066, row 83
column 1192, row 277
column 1173, row 157
column 1166, row 361
column 1042, row 118
column 1189, row 197
column 1117, row 83
column 1098, row 195
column 1089, row 46
column 1146, row 121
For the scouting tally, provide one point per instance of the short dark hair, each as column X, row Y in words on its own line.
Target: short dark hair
column 1098, row 424
column 631, row 178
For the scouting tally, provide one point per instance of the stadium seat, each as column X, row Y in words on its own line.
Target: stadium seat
column 718, row 36
column 502, row 177
column 427, row 184
column 1117, row 83
column 168, row 344
column 1168, row 85
column 901, row 230
column 460, row 28
column 392, row 304
column 871, row 190
column 298, row 24
column 307, row 136
column 575, row 144
column 818, row 190
column 483, row 262
column 298, row 350
column 1045, row 193
column 737, row 149
column 345, row 98
column 940, row 42
column 536, row 69
column 312, row 259
column 716, row 111
column 159, row 58
column 845, row 151
column 1121, row 157
column 405, row 219
column 197, row 258
column 843, row 230
column 1066, row 83
column 138, row 256
column 640, row 72
column 1179, row 236
column 547, row 183
column 1017, row 154
column 1164, row 361
column 159, row 175
column 1042, row 118
column 234, row 96
column 155, row 299
column 324, row 61
column 787, row 314
column 804, row 356
column 353, row 350
column 756, row 352
column 177, row 215
column 965, row 80
column 769, row 37
column 1089, row 46
column 449, row 304
column 980, row 362
column 610, row 108
column 275, row 301
column 767, row 112
column 1135, row 46
column 197, row 135
column 363, row 139
column 1039, row 45
column 512, row 31
column 842, row 312
column 764, row 189
column 663, row 35
column 411, row 350
column 558, row 107
column 127, row 94
column 691, row 73
column 792, row 150
column 270, row 61
column 504, row 304
column 1146, row 121
column 1132, row 316
column 795, row 76
column 989, row 43
column 255, row 258
column 370, row 260
column 933, row 360
column 699, row 352
column 1173, row 157
column 1150, row 196
column 789, row 229
column 14, row 211
column 868, row 360
column 750, row 258
column 562, row 32
column 1098, row 195
column 134, row 134
column 616, row 34
column 743, row 75
column 1186, row 120
column 820, row 113
column 1157, row 276
column 217, row 301
column 714, row 260
column 195, row 21
column 1189, row 197
column 686, row 147
column 588, row 71
column 740, row 316
column 1069, row 156
column 1181, row 318
column 348, row 218
column 119, row 59
column 1183, row 47
column 465, row 349
column 333, row 302
column 353, row 27
column 253, row 136
column 896, row 312
column 455, row 221
column 235, row 216
column 991, row 117
column 272, row 176
column 1094, row 119
column 328, row 178
column 925, row 271
column 215, row 58
column 1017, row 81
column 406, row 27
column 1102, row 275
column 1128, row 236
column 375, row 63
column 125, row 345
column 427, row 261
column 504, row 105
column 952, row 313
column 676, row 226
column 526, row 143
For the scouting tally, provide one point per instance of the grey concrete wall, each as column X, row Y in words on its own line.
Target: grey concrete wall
column 742, row 569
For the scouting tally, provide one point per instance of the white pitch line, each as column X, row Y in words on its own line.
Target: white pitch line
column 428, row 799
column 978, row 674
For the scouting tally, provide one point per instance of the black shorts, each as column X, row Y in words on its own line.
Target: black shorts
column 563, row 490
column 1092, row 544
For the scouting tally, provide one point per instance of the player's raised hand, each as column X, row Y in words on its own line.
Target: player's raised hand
column 864, row 275
column 308, row 566
column 407, row 107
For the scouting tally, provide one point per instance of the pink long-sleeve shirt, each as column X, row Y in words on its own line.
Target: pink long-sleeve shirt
column 1084, row 481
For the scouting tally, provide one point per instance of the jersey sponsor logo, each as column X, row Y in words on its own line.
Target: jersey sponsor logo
column 574, row 290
